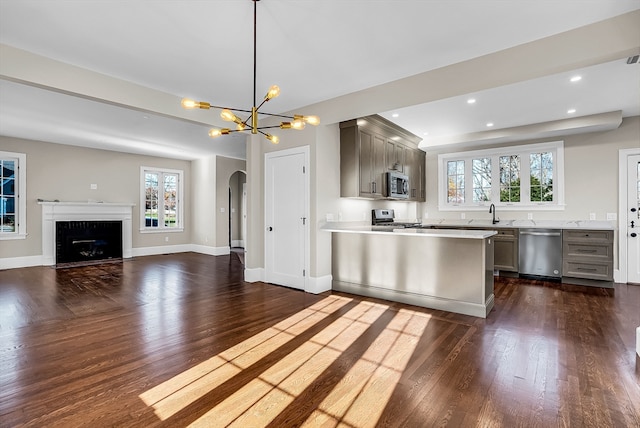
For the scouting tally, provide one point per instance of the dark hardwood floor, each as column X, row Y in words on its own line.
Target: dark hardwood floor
column 181, row 340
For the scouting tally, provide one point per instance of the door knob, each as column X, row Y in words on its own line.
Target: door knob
column 633, row 224
column 633, row 235
column 633, row 210
column 269, row 228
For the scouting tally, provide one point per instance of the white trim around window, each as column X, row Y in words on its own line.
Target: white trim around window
column 20, row 191
column 163, row 220
column 465, row 201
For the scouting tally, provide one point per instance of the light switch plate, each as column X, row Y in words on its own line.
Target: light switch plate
column 592, row 216
column 93, row 186
column 529, row 216
column 463, row 216
column 612, row 216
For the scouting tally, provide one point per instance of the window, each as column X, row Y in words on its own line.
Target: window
column 455, row 181
column 161, row 200
column 518, row 177
column 13, row 216
column 481, row 180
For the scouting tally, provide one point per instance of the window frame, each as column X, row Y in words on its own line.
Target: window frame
column 20, row 188
column 161, row 228
column 524, row 151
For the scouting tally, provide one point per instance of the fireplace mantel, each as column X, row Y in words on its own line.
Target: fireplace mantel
column 82, row 211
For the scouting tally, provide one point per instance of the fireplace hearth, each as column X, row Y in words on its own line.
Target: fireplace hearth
column 88, row 242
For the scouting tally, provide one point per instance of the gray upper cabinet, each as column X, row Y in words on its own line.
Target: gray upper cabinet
column 371, row 146
column 415, row 169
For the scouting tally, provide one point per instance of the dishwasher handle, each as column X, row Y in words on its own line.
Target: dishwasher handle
column 540, row 233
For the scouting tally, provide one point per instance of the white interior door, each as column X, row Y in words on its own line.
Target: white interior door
column 286, row 217
column 633, row 219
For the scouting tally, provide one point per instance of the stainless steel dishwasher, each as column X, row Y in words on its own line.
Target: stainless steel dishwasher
column 541, row 252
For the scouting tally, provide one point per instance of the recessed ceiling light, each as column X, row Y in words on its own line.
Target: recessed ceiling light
column 471, row 101
column 571, row 111
column 489, row 125
column 576, row 78
column 395, row 115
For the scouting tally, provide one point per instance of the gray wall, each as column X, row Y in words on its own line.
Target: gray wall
column 56, row 171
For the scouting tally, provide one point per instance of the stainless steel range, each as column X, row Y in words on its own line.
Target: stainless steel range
column 382, row 217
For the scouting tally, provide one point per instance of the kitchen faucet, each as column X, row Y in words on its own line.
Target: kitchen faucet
column 492, row 210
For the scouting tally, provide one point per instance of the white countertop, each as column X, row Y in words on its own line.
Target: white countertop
column 542, row 224
column 357, row 227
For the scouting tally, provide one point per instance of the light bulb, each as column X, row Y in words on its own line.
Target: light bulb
column 227, row 115
column 273, row 138
column 188, row 103
column 241, row 126
column 274, row 91
column 191, row 104
column 298, row 124
column 215, row 132
column 311, row 120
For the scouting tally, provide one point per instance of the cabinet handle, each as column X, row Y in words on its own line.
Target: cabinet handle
column 586, row 251
column 587, row 269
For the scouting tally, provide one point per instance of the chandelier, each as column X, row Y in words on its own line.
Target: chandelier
column 251, row 122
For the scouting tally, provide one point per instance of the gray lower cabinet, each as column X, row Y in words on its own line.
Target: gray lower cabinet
column 587, row 254
column 505, row 247
column 505, row 250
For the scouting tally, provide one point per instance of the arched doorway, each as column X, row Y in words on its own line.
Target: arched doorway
column 237, row 211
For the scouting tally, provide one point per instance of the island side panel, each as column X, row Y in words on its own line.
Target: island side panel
column 446, row 269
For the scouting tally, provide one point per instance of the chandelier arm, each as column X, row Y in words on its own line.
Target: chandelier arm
column 276, row 115
column 268, row 127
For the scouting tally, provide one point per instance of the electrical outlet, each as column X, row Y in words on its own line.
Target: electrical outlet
column 612, row 216
column 592, row 216
column 166, row 239
column 93, row 186
column 329, row 217
column 529, row 216
column 463, row 216
column 222, row 209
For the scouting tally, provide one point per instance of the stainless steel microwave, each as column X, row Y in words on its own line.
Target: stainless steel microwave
column 397, row 185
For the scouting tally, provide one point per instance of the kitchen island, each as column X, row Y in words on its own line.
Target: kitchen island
column 450, row 270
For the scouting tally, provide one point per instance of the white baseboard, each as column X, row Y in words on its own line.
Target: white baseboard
column 163, row 249
column 317, row 285
column 254, row 274
column 212, row 251
column 20, row 262
column 237, row 243
column 28, row 261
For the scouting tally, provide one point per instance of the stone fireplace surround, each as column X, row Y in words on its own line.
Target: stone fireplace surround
column 82, row 211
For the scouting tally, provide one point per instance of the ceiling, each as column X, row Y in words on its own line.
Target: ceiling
column 314, row 50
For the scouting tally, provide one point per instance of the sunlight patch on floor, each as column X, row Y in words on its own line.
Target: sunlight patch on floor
column 262, row 399
column 171, row 396
column 360, row 398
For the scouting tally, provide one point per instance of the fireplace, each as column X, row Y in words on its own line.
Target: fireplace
column 86, row 242
column 85, row 232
